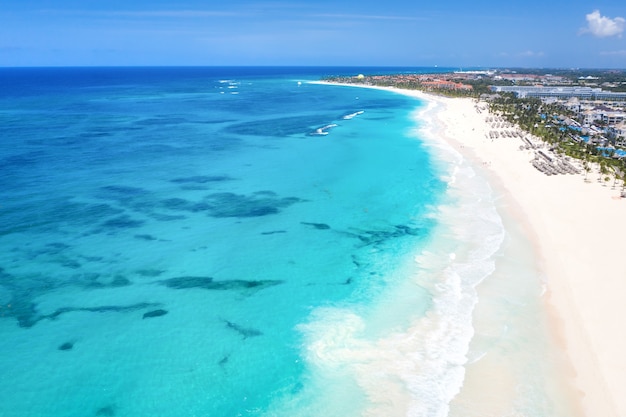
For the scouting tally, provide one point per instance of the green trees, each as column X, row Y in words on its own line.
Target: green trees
column 545, row 121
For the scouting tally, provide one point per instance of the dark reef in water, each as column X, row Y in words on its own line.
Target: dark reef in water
column 257, row 204
column 55, row 213
column 318, row 226
column 107, row 411
column 376, row 237
column 131, row 198
column 100, row 309
column 155, row 313
column 195, row 187
column 146, row 237
column 261, row 203
column 135, row 200
column 121, row 191
column 70, row 263
column 150, row 272
column 224, row 360
column 54, row 248
column 202, row 179
column 246, row 332
column 107, row 282
column 208, row 283
column 66, row 346
column 184, row 205
column 21, row 291
column 20, row 297
column 26, row 314
column 166, row 217
column 180, row 283
column 123, row 222
column 163, row 120
column 414, row 231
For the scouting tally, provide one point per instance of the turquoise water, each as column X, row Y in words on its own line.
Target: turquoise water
column 243, row 242
column 184, row 242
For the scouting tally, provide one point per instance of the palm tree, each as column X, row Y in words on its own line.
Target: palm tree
column 616, row 174
column 602, row 170
column 586, row 167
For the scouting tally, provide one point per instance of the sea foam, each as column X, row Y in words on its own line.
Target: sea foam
column 416, row 366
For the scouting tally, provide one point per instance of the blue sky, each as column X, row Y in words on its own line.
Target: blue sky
column 450, row 33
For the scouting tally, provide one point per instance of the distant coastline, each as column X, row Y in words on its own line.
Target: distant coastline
column 569, row 115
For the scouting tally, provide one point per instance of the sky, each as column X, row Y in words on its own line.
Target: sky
column 447, row 33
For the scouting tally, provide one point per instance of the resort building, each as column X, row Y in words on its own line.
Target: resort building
column 620, row 135
column 602, row 113
column 585, row 93
column 445, row 85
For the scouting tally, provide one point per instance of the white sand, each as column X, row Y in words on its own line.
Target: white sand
column 578, row 229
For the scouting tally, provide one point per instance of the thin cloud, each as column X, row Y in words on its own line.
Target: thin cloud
column 199, row 14
column 192, row 14
column 531, row 54
column 602, row 26
column 524, row 54
column 174, row 13
column 144, row 13
column 614, row 53
column 365, row 17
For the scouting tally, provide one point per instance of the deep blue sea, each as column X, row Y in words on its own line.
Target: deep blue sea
column 227, row 242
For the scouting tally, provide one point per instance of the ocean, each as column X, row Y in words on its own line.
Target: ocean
column 242, row 242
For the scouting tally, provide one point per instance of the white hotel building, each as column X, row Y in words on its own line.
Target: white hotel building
column 584, row 93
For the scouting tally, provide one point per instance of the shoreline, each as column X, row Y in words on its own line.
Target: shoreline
column 574, row 227
column 566, row 220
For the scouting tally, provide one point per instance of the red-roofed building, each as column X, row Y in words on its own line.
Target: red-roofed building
column 446, row 85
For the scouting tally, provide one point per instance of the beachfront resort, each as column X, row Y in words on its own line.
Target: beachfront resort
column 574, row 123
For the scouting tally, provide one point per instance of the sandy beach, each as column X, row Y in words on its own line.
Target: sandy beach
column 576, row 228
column 575, row 225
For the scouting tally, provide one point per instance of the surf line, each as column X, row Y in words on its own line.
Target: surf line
column 322, row 131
